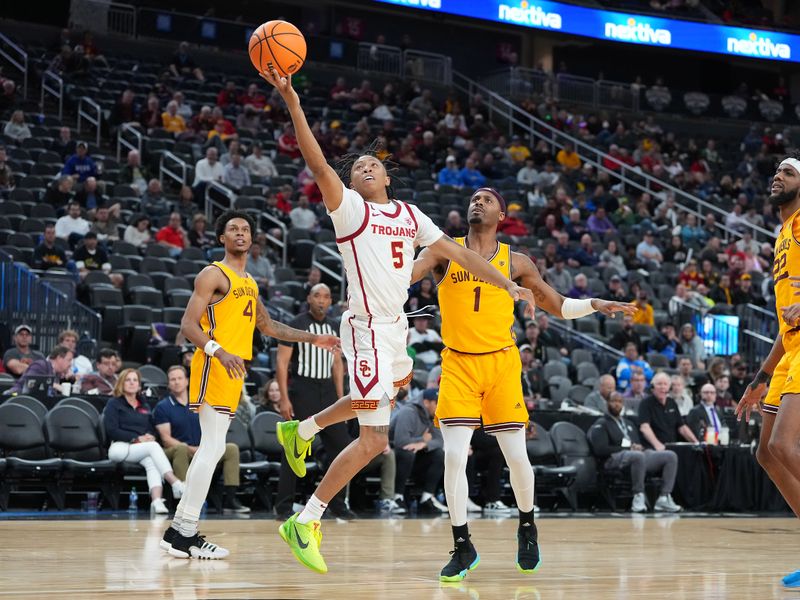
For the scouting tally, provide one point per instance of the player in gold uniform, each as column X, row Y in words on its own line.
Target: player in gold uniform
column 779, row 446
column 482, row 372
column 220, row 319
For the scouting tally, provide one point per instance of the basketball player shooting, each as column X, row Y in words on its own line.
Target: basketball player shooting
column 219, row 320
column 776, row 386
column 482, row 372
column 377, row 237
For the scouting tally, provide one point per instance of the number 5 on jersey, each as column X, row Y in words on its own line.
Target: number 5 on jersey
column 397, row 254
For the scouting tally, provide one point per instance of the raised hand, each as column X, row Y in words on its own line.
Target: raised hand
column 282, row 84
column 610, row 308
column 331, row 343
column 522, row 293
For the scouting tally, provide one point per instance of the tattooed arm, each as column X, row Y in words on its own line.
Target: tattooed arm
column 283, row 332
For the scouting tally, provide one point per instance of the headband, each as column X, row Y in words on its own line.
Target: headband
column 790, row 162
column 502, row 202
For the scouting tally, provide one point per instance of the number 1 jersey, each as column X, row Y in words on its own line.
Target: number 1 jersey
column 377, row 243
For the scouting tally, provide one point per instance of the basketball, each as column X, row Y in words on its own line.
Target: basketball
column 278, row 44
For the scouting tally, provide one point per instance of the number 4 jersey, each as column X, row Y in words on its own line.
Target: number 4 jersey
column 787, row 262
column 377, row 243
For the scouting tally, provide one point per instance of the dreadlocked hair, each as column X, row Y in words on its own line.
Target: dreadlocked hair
column 344, row 165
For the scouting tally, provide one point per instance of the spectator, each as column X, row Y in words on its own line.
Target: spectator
column 228, row 96
column 235, row 175
column 648, row 253
column 599, row 222
column 314, row 277
column 47, row 255
column 558, row 277
column 422, row 105
column 423, row 296
column 287, row 143
column 722, row 293
column 690, row 277
column 580, row 290
column 90, row 50
column 179, row 430
column 676, row 252
column 425, row 342
column 693, row 346
column 517, row 151
column 252, row 97
column 681, row 395
column 89, row 197
column 738, row 379
column 125, row 110
column 171, row 121
column 419, row 450
column 81, row 365
column 72, row 226
column 150, row 116
column 154, row 203
column 260, row 165
column 630, row 362
column 470, row 176
column 259, row 267
column 64, row 145
column 138, row 232
column 206, row 170
column 586, row 255
column 173, row 235
column 184, row 108
column 185, row 205
column 574, row 227
column 528, row 176
column 198, row 236
column 269, row 397
column 450, row 175
column 455, row 226
column 598, row 399
column 616, row 291
column 16, row 128
column 693, row 234
column 550, row 337
column 660, row 421
column 16, row 360
column 129, row 427
column 56, row 365
column 685, row 296
column 103, row 380
column 706, row 416
column 645, row 314
column 533, row 344
column 513, row 224
column 91, row 257
column 568, row 159
column 133, row 173
column 616, row 442
column 626, row 335
column 635, row 392
column 8, row 96
column 725, row 399
column 6, row 174
column 302, row 216
column 744, row 293
column 183, row 64
column 80, row 165
column 666, row 342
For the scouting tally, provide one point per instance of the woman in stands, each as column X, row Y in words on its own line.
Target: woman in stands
column 138, row 232
column 129, row 427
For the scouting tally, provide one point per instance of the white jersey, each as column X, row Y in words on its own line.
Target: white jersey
column 377, row 243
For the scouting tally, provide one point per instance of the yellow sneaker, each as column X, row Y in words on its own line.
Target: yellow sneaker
column 295, row 448
column 304, row 540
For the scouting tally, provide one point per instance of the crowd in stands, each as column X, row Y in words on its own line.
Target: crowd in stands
column 107, row 225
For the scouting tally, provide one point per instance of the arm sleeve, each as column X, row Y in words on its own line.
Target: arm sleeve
column 349, row 215
column 427, row 231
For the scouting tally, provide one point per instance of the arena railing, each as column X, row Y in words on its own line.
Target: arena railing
column 537, row 129
column 103, row 17
column 274, row 223
column 755, row 347
column 759, row 320
column 25, row 298
column 218, row 199
column 18, row 59
column 427, row 66
column 604, row 356
column 340, row 277
column 53, row 85
column 90, row 111
column 167, row 163
column 125, row 131
column 378, row 58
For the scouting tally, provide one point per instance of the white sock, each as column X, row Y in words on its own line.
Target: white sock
column 313, row 510
column 308, row 428
column 515, row 451
column 188, row 527
column 456, row 488
column 425, row 497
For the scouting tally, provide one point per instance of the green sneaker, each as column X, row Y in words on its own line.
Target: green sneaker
column 295, row 448
column 304, row 540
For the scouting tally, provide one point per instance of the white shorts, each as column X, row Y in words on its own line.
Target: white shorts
column 377, row 363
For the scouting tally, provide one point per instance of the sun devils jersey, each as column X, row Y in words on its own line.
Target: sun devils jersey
column 377, row 243
column 787, row 263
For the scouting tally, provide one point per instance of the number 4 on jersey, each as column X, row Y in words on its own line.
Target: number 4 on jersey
column 248, row 311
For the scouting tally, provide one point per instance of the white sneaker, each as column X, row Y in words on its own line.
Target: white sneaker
column 391, row 507
column 159, row 507
column 496, row 508
column 536, row 509
column 665, row 503
column 639, row 504
column 177, row 489
column 438, row 504
column 472, row 507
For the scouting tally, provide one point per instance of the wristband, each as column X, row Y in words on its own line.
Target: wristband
column 575, row 309
column 211, row 347
column 761, row 377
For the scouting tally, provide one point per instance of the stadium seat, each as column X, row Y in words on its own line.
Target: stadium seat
column 572, row 449
column 153, row 375
column 249, row 466
column 554, row 368
column 32, row 403
column 551, row 478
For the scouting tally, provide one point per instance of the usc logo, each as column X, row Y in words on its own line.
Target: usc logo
column 364, row 368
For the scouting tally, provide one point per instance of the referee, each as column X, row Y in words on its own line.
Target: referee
column 317, row 381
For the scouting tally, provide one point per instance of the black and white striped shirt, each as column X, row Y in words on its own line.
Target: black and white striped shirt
column 308, row 360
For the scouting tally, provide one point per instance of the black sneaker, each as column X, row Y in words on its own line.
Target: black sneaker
column 169, row 537
column 196, row 547
column 233, row 506
column 343, row 513
column 528, row 559
column 429, row 508
column 463, row 558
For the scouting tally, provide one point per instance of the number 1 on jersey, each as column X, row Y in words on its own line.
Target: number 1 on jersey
column 477, row 305
column 248, row 311
column 397, row 254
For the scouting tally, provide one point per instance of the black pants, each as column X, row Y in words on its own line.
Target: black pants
column 309, row 396
column 486, row 458
column 426, row 466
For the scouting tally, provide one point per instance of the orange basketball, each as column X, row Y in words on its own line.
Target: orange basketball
column 277, row 44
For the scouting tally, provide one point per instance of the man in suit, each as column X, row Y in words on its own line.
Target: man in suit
column 617, row 445
column 706, row 415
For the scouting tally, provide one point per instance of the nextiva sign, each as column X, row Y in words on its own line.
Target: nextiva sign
column 621, row 27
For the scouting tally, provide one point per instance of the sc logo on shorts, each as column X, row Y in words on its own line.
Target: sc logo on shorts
column 364, row 368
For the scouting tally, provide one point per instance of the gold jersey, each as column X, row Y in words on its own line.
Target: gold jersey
column 787, row 263
column 231, row 320
column 477, row 317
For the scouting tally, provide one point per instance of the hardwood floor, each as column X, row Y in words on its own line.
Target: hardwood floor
column 583, row 558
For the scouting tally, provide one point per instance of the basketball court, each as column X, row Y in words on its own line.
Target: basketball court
column 594, row 557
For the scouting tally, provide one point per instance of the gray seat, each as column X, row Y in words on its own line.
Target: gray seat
column 554, row 368
column 572, row 449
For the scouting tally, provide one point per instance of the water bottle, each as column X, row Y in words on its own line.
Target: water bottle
column 133, row 501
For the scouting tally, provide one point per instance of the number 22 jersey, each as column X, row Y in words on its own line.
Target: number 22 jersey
column 787, row 262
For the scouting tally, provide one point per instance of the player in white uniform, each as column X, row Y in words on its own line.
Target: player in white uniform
column 377, row 238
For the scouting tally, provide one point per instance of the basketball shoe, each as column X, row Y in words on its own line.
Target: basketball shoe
column 463, row 558
column 528, row 559
column 195, row 546
column 295, row 448
column 304, row 541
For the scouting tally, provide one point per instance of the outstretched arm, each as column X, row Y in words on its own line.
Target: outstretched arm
column 325, row 177
column 283, row 332
column 425, row 263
